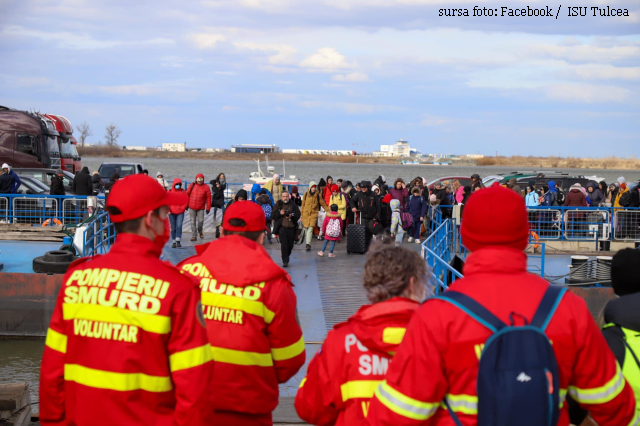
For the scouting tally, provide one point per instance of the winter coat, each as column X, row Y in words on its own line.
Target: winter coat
column 199, row 195
column 635, row 197
column 179, row 209
column 98, row 187
column 352, row 362
column 575, row 198
column 513, row 184
column 596, row 196
column 263, row 345
column 9, row 182
column 57, row 186
column 531, row 199
column 82, row 183
column 401, row 195
column 327, row 192
column 223, row 182
column 311, row 204
column 417, row 206
column 341, row 201
column 217, row 196
column 396, row 220
column 364, row 199
column 618, row 195
column 385, row 213
column 459, row 195
column 331, row 215
column 290, row 222
column 275, row 192
column 443, row 344
column 441, row 195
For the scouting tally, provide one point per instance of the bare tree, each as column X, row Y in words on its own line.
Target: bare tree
column 112, row 133
column 85, row 132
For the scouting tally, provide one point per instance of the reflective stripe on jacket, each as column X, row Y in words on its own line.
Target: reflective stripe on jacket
column 440, row 353
column 125, row 345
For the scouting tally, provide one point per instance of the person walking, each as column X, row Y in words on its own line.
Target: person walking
column 274, row 186
column 340, row 200
column 417, row 207
column 400, row 192
column 397, row 231
column 332, row 230
column 98, row 186
column 327, row 190
column 442, row 357
column 199, row 203
column 266, row 204
column 9, row 180
column 57, row 185
column 286, row 215
column 311, row 203
column 82, row 183
column 125, row 344
column 176, row 214
column 344, row 374
column 249, row 309
column 217, row 198
column 368, row 204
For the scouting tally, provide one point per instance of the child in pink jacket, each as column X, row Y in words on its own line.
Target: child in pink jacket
column 331, row 229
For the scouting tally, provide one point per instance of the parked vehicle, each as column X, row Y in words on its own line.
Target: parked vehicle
column 45, row 176
column 122, row 169
column 563, row 181
column 464, row 180
column 68, row 152
column 28, row 140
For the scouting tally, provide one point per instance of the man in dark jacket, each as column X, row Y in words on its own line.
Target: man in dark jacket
column 513, row 184
column 98, row 187
column 57, row 186
column 9, row 180
column 368, row 204
column 286, row 214
column 107, row 188
column 82, row 183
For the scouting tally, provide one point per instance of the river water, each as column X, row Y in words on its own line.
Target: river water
column 238, row 171
column 20, row 359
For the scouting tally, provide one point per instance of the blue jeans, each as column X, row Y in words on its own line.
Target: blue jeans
column 324, row 245
column 176, row 226
column 399, row 237
column 415, row 229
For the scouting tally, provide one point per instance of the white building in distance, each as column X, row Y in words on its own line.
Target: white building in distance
column 399, row 149
column 176, row 147
column 134, row 148
column 475, row 156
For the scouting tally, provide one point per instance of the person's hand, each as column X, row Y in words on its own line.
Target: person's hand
column 393, row 235
column 208, row 211
column 421, row 219
column 404, row 185
column 282, row 212
column 354, row 210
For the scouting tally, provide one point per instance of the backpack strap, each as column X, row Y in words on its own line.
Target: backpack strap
column 548, row 306
column 473, row 309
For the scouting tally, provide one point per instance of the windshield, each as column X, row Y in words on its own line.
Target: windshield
column 74, row 151
column 106, row 170
column 65, row 148
column 31, row 185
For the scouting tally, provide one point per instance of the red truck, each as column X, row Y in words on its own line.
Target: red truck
column 68, row 145
column 28, row 140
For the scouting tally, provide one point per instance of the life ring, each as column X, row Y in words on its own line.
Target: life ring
column 535, row 237
column 50, row 221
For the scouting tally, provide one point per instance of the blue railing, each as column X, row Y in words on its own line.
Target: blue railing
column 438, row 250
column 97, row 235
column 43, row 209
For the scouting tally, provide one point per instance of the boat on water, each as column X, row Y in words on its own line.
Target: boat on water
column 260, row 178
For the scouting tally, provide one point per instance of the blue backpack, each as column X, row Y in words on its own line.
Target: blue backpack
column 518, row 381
column 266, row 208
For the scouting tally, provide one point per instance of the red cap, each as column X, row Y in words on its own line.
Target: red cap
column 249, row 212
column 136, row 195
column 495, row 216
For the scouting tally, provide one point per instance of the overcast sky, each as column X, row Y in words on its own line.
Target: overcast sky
column 330, row 74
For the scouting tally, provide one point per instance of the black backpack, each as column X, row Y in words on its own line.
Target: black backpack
column 625, row 199
column 560, row 197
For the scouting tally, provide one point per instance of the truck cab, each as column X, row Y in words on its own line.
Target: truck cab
column 68, row 153
column 27, row 140
column 122, row 169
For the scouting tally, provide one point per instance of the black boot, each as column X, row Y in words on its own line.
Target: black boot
column 178, row 244
column 308, row 247
column 173, row 245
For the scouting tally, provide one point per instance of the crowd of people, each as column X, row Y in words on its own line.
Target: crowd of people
column 134, row 340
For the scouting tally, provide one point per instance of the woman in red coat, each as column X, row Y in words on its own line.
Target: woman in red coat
column 176, row 215
column 354, row 358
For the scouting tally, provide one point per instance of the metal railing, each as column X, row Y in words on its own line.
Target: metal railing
column 438, row 251
column 38, row 209
column 626, row 224
column 97, row 235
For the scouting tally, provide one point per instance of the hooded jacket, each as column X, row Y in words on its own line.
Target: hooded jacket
column 513, row 184
column 82, row 183
column 619, row 194
column 442, row 343
column 575, row 198
column 401, row 194
column 217, row 195
column 353, row 361
column 57, row 186
column 199, row 195
column 177, row 209
column 273, row 188
column 596, row 196
column 417, row 206
column 249, row 309
column 161, row 180
column 9, row 182
column 128, row 348
column 341, row 201
column 311, row 204
column 396, row 220
column 98, row 187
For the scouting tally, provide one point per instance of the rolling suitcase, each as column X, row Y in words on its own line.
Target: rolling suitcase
column 356, row 237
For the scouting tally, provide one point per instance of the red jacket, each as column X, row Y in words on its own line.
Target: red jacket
column 328, row 191
column 250, row 310
column 331, row 215
column 199, row 195
column 439, row 356
column 352, row 362
column 177, row 209
column 125, row 345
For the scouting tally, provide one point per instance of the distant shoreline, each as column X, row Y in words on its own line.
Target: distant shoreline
column 515, row 161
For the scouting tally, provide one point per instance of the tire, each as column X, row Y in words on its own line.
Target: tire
column 58, row 256
column 70, row 248
column 42, row 266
